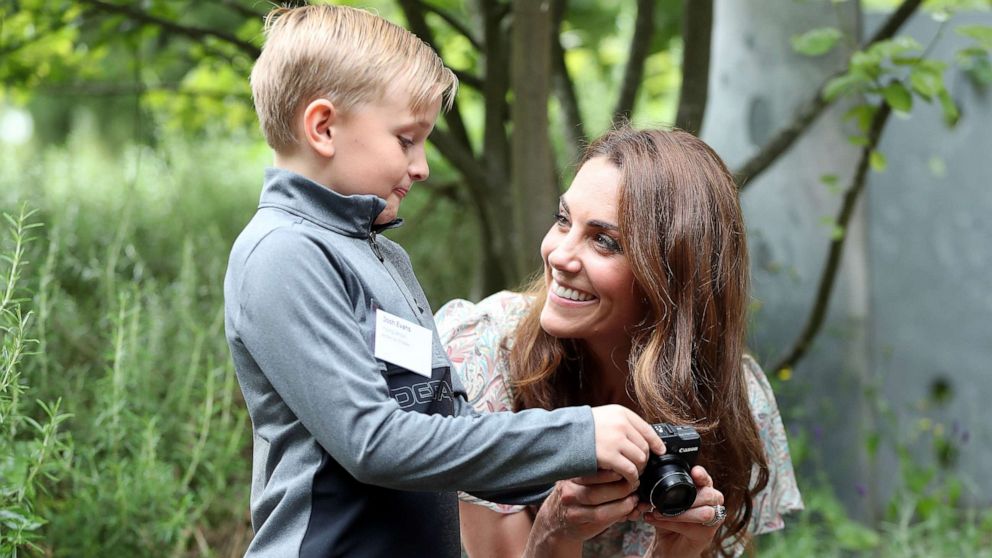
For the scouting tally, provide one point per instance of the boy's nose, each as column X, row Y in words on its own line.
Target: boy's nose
column 419, row 170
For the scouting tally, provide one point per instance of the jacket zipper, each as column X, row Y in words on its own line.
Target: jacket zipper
column 375, row 246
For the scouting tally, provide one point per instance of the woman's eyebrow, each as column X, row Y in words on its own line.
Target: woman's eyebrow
column 603, row 225
column 593, row 223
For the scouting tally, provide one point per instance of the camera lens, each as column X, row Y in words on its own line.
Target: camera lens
column 673, row 491
column 679, row 497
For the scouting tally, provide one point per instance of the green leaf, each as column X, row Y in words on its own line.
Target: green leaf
column 860, row 141
column 925, row 82
column 951, row 114
column 866, row 63
column 982, row 34
column 877, row 161
column 862, row 114
column 975, row 62
column 836, row 232
column 816, row 42
column 897, row 47
column 898, row 97
column 832, row 183
column 842, row 85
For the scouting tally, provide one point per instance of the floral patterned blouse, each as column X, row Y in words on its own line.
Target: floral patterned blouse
column 472, row 335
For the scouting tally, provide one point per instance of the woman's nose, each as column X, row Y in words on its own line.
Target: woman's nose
column 564, row 256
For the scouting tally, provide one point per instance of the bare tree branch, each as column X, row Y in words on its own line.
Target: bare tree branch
column 812, row 108
column 697, row 30
column 471, row 80
column 825, row 288
column 413, row 10
column 454, row 22
column 117, row 89
column 189, row 31
column 564, row 87
column 640, row 47
column 459, row 156
column 495, row 90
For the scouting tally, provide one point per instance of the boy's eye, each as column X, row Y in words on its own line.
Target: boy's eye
column 608, row 243
column 405, row 143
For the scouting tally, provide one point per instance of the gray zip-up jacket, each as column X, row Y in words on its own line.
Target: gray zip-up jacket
column 354, row 456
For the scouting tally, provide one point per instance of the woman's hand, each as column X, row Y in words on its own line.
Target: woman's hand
column 579, row 509
column 691, row 532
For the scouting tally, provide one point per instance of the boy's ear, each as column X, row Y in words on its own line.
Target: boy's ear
column 318, row 126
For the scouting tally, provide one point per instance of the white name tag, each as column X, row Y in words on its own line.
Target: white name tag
column 403, row 343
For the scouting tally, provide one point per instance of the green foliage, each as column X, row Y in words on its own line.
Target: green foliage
column 878, row 161
column 129, row 329
column 817, row 42
column 32, row 451
column 893, row 71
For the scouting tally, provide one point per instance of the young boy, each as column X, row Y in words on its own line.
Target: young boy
column 361, row 435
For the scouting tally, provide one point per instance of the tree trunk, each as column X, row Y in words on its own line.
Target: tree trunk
column 535, row 189
column 697, row 25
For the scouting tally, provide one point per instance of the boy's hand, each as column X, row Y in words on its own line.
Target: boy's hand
column 623, row 441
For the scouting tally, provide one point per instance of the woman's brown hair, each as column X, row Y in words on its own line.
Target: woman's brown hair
column 683, row 235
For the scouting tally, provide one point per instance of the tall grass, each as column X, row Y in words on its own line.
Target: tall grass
column 129, row 333
column 32, row 452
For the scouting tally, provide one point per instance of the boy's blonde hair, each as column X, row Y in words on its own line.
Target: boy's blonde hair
column 346, row 55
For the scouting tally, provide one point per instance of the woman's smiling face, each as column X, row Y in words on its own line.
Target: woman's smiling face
column 592, row 294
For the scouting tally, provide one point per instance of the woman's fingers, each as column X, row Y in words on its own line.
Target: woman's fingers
column 701, row 477
column 574, row 493
column 702, row 510
column 603, row 514
column 693, row 531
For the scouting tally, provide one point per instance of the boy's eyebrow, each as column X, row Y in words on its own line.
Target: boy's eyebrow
column 419, row 123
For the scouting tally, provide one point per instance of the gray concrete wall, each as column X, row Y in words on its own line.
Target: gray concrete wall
column 907, row 341
column 758, row 83
column 930, row 259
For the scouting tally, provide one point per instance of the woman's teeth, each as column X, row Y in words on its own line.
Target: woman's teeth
column 569, row 293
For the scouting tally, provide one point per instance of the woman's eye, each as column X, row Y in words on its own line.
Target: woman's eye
column 561, row 219
column 608, row 243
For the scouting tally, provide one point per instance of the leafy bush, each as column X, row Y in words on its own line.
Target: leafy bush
column 32, row 452
column 129, row 328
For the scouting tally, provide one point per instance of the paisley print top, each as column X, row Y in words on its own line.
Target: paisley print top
column 473, row 334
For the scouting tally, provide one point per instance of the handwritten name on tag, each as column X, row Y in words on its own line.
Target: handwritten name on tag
column 403, row 343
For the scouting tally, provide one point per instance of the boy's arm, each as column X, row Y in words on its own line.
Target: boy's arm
column 298, row 322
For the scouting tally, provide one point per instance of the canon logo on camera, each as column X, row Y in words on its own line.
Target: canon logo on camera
column 693, row 448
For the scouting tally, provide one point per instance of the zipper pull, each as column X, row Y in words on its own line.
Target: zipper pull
column 375, row 246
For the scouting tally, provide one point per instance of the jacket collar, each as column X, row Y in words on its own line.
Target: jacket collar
column 349, row 215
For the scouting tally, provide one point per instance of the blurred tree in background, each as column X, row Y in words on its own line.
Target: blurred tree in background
column 144, row 165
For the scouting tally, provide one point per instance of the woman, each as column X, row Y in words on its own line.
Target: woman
column 642, row 303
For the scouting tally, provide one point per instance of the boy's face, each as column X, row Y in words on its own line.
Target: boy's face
column 379, row 150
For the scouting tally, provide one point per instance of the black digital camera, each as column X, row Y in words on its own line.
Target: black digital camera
column 665, row 482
